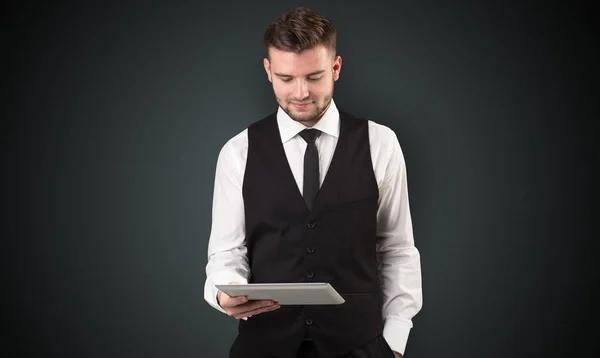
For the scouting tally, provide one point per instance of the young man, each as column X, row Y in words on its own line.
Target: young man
column 312, row 194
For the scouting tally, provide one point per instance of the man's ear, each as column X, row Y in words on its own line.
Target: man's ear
column 337, row 67
column 267, row 65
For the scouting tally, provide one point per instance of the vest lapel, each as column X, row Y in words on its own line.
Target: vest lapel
column 287, row 176
column 281, row 166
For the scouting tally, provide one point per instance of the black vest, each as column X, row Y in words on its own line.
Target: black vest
column 335, row 242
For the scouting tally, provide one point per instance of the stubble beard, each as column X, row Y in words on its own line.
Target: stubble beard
column 307, row 116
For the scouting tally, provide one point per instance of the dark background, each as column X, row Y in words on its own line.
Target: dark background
column 114, row 114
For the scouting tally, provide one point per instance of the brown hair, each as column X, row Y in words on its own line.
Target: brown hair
column 300, row 29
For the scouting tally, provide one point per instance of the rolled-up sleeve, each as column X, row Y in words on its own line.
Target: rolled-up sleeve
column 227, row 252
column 400, row 267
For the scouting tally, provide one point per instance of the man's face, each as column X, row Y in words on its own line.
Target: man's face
column 303, row 83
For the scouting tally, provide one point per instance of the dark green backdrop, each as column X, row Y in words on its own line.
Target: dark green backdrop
column 114, row 116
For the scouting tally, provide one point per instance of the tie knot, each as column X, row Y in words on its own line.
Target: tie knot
column 310, row 135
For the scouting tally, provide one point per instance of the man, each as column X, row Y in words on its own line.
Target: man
column 312, row 194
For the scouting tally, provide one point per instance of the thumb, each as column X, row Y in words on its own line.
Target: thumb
column 236, row 300
column 230, row 301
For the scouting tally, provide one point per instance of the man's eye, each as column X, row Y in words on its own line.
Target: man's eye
column 286, row 79
column 314, row 79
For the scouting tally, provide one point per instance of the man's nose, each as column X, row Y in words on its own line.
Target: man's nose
column 301, row 90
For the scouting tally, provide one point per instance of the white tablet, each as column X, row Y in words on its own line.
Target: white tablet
column 317, row 293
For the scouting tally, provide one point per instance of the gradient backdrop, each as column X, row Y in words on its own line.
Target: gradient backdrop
column 114, row 116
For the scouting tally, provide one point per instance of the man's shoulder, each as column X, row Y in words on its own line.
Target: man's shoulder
column 380, row 130
column 376, row 129
column 238, row 144
column 265, row 121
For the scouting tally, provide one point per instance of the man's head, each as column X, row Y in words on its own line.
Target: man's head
column 301, row 63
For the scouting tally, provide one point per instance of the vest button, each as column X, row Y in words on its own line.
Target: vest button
column 310, row 249
column 310, row 274
column 309, row 321
column 311, row 225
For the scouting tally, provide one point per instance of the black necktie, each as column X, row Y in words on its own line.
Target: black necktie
column 311, row 166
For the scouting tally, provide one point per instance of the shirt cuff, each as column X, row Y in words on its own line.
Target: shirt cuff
column 395, row 333
column 210, row 291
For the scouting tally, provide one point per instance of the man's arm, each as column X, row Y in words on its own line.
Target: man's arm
column 400, row 270
column 227, row 261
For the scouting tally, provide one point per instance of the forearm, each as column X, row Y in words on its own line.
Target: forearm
column 400, row 276
column 400, row 269
column 223, row 268
column 227, row 252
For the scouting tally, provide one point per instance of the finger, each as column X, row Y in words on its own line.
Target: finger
column 227, row 301
column 257, row 311
column 232, row 301
column 247, row 307
column 234, row 283
column 224, row 300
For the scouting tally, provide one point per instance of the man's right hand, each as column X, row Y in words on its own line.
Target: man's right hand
column 239, row 306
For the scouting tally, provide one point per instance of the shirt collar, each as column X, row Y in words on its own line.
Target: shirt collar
column 329, row 123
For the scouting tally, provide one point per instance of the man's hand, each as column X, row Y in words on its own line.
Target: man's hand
column 239, row 306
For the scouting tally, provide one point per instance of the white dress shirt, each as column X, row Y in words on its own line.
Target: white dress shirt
column 400, row 269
